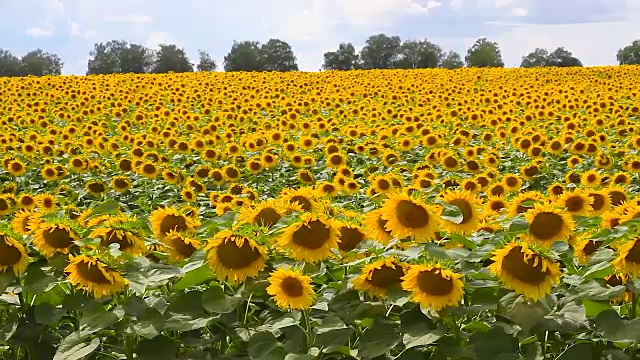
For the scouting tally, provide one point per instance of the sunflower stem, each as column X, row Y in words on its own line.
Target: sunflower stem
column 246, row 310
column 307, row 321
column 632, row 315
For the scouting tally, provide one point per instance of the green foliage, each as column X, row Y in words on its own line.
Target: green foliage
column 630, row 54
column 344, row 58
column 452, row 60
column 484, row 53
column 171, row 58
column 275, row 55
column 206, row 62
column 380, row 52
column 119, row 57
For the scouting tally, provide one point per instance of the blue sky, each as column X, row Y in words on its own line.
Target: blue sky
column 592, row 29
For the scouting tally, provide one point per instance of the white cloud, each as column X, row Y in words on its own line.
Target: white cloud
column 127, row 18
column 41, row 32
column 159, row 37
column 519, row 11
column 456, row 4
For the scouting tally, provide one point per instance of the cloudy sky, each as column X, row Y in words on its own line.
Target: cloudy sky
column 592, row 29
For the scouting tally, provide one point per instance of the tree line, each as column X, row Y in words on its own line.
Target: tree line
column 379, row 52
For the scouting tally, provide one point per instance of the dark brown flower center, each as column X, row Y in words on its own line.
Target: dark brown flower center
column 349, row 238
column 267, row 217
column 432, row 283
column 91, row 273
column 465, row 208
column 116, row 237
column 312, row 236
column 9, row 255
column 634, row 253
column 386, row 276
column 173, row 222
column 292, row 287
column 529, row 272
column 58, row 238
column 302, row 201
column 598, row 201
column 234, row 257
column 574, row 203
column 617, row 197
column 411, row 215
column 546, row 226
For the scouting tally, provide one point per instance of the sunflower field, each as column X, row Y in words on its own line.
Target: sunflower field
column 428, row 214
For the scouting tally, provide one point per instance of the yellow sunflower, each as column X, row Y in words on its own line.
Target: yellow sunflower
column 50, row 238
column 12, row 255
column 94, row 276
column 266, row 213
column 305, row 197
column 601, row 202
column 291, row 289
column 548, row 224
column 128, row 241
column 167, row 219
column 524, row 270
column 585, row 247
column 576, row 202
column 235, row 257
column 628, row 259
column 22, row 221
column 468, row 205
column 179, row 246
column 380, row 276
column 525, row 201
column 377, row 227
column 433, row 286
column 407, row 216
column 311, row 238
column 350, row 236
column 618, row 195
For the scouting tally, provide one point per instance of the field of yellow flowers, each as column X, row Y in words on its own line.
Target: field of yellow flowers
column 431, row 214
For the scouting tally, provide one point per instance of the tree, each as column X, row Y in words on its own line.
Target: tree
column 345, row 58
column 243, row 56
column 119, row 57
column 562, row 58
column 537, row 58
column 9, row 64
column 206, row 62
column 452, row 60
column 40, row 63
column 629, row 55
column 380, row 52
column 276, row 55
column 419, row 55
column 484, row 53
column 171, row 58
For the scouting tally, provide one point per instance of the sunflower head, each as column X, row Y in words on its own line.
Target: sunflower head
column 291, row 289
column 628, row 257
column 433, row 286
column 380, row 276
column 164, row 220
column 408, row 216
column 234, row 256
column 576, row 202
column 468, row 204
column 548, row 224
column 94, row 276
column 311, row 238
column 266, row 213
column 51, row 237
column 12, row 254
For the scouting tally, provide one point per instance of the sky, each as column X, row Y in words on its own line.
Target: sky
column 593, row 30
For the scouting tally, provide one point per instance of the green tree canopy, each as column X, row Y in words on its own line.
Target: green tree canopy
column 277, row 55
column 537, row 58
column 119, row 57
column 484, row 53
column 244, row 56
column 419, row 55
column 630, row 54
column 9, row 64
column 171, row 58
column 561, row 57
column 206, row 62
column 40, row 63
column 380, row 52
column 451, row 60
column 345, row 58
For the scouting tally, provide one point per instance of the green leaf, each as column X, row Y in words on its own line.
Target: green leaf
column 77, row 351
column 597, row 289
column 216, row 301
column 518, row 225
column 378, row 339
column 349, row 307
column 36, row 281
column 6, row 278
column 288, row 319
column 159, row 348
column 612, row 327
column 593, row 308
column 194, row 277
column 451, row 213
column 523, row 312
column 180, row 322
column 265, row 346
column 418, row 330
column 47, row 314
column 9, row 326
column 152, row 276
column 106, row 208
column 569, row 317
column 99, row 319
column 494, row 344
column 577, row 352
column 598, row 271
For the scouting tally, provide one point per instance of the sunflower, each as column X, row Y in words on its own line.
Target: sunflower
column 121, row 183
column 266, row 213
column 495, row 204
column 12, row 255
column 128, row 241
column 601, row 202
column 576, row 202
column 548, row 224
column 618, row 195
column 94, row 276
column 328, row 189
column 179, row 246
column 305, row 197
column 96, row 187
column 525, row 201
column 148, row 170
column 433, row 286
column 6, row 206
column 165, row 219
column 585, row 247
column 311, row 238
column 350, row 236
column 231, row 173
column 555, row 190
column 26, row 201
column 380, row 276
column 407, row 216
column 611, row 219
column 49, row 173
column 524, row 270
column 234, row 257
column 377, row 227
column 16, row 168
column 512, row 183
column 23, row 220
column 591, row 178
column 468, row 205
column 50, row 238
column 46, row 202
column 628, row 257
column 188, row 195
column 291, row 289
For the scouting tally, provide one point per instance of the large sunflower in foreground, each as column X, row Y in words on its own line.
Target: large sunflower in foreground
column 433, row 286
column 291, row 289
column 468, row 205
column 235, row 257
column 377, row 227
column 409, row 217
column 628, row 259
column 12, row 255
column 94, row 276
column 311, row 238
column 576, row 202
column 166, row 219
column 380, row 276
column 524, row 270
column 50, row 238
column 548, row 224
column 23, row 221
